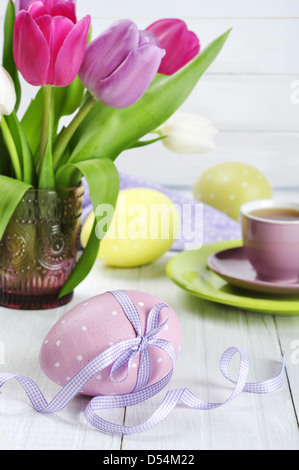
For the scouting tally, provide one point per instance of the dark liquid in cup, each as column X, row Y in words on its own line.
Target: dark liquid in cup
column 282, row 214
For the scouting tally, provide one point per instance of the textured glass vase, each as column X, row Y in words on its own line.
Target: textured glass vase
column 39, row 249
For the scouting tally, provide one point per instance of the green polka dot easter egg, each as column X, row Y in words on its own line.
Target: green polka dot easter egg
column 144, row 227
column 228, row 186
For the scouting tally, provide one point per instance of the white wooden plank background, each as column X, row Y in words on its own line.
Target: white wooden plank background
column 247, row 94
column 191, row 8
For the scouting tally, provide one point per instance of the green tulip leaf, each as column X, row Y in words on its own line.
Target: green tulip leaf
column 103, row 181
column 5, row 162
column 12, row 193
column 23, row 149
column 8, row 59
column 12, row 146
column 32, row 123
column 67, row 101
column 144, row 143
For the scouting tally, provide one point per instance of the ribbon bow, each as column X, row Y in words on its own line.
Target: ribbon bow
column 141, row 343
column 124, row 353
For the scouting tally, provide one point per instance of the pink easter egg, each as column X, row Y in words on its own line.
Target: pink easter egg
column 94, row 326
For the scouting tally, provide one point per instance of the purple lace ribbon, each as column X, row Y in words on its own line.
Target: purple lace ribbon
column 123, row 354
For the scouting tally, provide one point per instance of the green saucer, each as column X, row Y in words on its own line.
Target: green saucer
column 189, row 271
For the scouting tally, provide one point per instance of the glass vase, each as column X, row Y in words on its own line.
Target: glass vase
column 39, row 249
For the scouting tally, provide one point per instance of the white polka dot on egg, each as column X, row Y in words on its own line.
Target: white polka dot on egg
column 106, row 325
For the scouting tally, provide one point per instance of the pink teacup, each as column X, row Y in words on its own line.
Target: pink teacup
column 271, row 239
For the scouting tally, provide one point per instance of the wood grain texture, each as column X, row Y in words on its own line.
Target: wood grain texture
column 270, row 50
column 251, row 422
column 274, row 154
column 208, row 330
column 191, row 8
column 247, row 92
column 247, row 95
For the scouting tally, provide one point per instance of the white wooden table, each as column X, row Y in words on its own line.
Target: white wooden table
column 250, row 422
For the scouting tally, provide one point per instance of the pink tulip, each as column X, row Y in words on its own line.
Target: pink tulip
column 181, row 45
column 120, row 64
column 49, row 44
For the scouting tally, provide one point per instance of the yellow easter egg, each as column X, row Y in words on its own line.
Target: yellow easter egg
column 144, row 227
column 228, row 186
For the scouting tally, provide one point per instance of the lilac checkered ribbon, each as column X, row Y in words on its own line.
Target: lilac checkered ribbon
column 123, row 354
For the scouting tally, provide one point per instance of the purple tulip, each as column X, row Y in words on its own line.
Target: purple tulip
column 21, row 5
column 120, row 64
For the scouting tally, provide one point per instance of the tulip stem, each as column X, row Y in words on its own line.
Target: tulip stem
column 46, row 121
column 66, row 135
column 46, row 171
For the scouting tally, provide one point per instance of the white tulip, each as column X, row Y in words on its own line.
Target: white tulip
column 7, row 93
column 188, row 134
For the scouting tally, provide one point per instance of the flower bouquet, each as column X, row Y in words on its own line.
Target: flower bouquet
column 117, row 89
